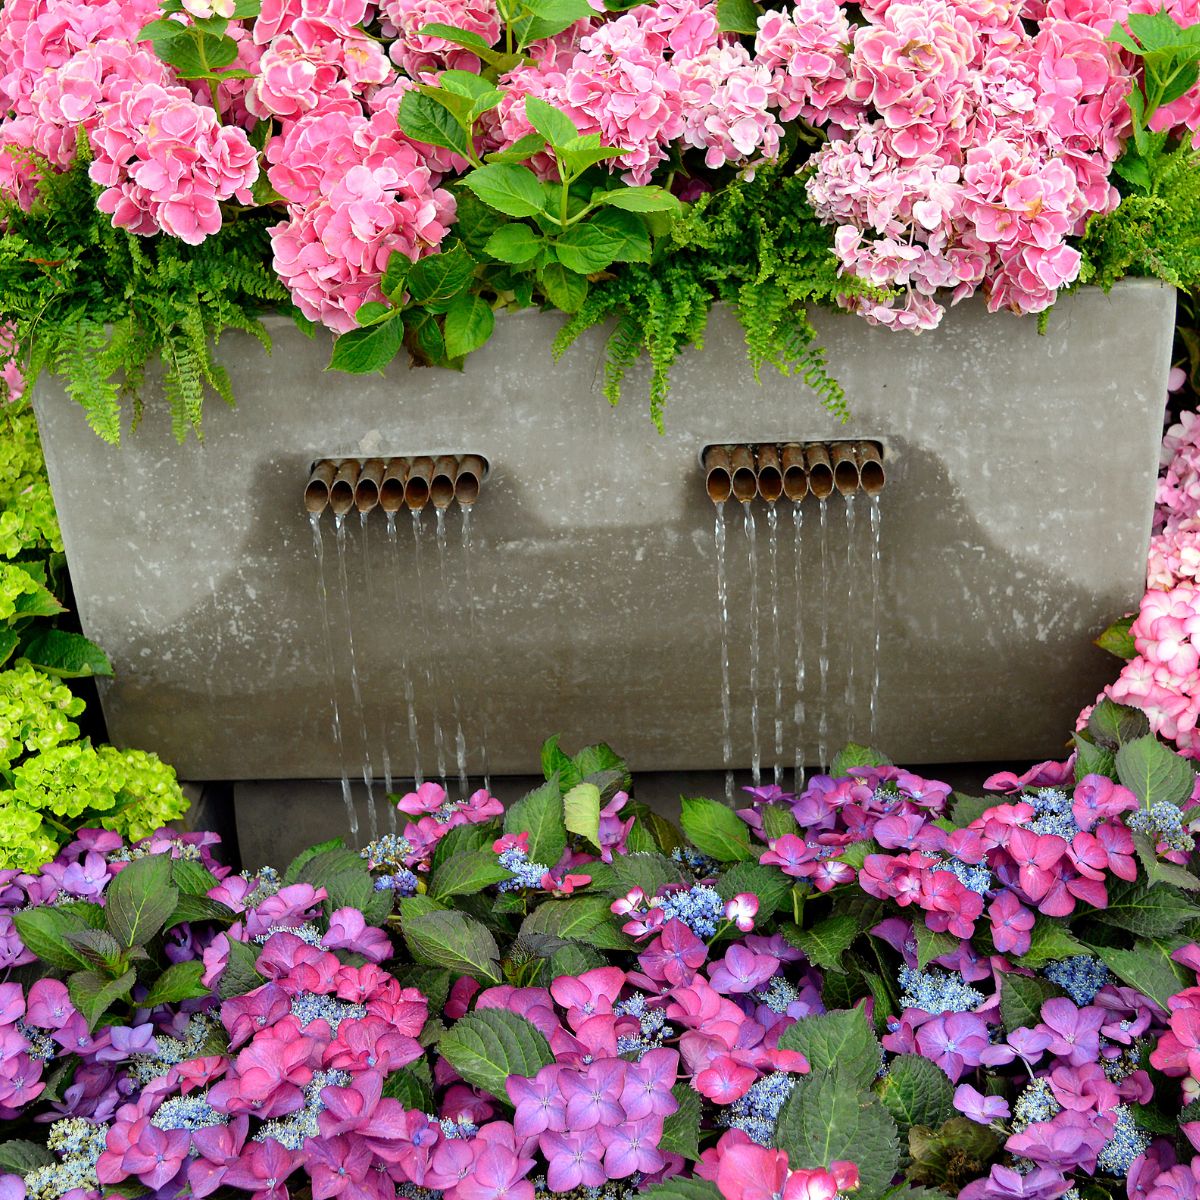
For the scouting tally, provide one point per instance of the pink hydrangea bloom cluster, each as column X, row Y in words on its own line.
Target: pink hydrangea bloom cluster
column 420, row 53
column 979, row 149
column 12, row 380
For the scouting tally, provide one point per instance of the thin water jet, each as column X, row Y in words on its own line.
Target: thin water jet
column 472, row 630
column 372, row 820
column 875, row 584
column 851, row 528
column 752, row 559
column 723, row 614
column 823, row 644
column 409, row 696
column 314, row 521
column 439, row 742
column 460, row 741
column 798, row 711
column 776, row 644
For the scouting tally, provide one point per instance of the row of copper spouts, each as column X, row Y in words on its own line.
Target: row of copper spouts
column 773, row 471
column 394, row 483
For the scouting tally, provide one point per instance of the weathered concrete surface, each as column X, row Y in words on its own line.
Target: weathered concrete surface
column 1015, row 525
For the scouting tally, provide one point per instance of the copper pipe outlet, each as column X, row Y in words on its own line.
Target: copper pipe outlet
column 316, row 491
column 870, row 467
column 341, row 490
column 820, row 471
column 391, row 487
column 416, row 487
column 366, row 491
column 743, row 478
column 795, row 478
column 718, row 474
column 845, row 468
column 468, row 479
column 441, row 485
column 770, row 473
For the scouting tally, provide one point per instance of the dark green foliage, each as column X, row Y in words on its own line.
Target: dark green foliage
column 756, row 245
column 95, row 304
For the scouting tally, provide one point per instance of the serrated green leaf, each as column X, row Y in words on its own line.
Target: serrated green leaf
column 410, row 1089
column 432, row 982
column 1112, row 724
column 1021, row 1000
column 565, row 289
column 842, row 1039
column 916, row 1091
column 180, row 981
column 647, row 870
column 1159, row 870
column 777, row 822
column 1149, row 968
column 45, row 933
column 573, row 919
column 200, row 908
column 1049, row 940
column 140, row 900
column 508, row 188
column 241, row 974
column 681, row 1130
column 514, row 243
column 1147, row 909
column 1091, row 759
column 94, row 994
column 826, row 943
column 772, row 887
column 553, row 124
column 970, row 808
column 454, row 941
column 423, row 119
column 738, row 16
column 680, row 1188
column 952, row 1156
column 540, row 814
column 20, row 1157
column 715, row 830
column 931, row 945
column 364, row 351
column 469, row 323
column 854, row 755
column 639, row 199
column 1117, row 640
column 466, row 874
column 581, row 812
column 66, row 655
column 1154, row 773
column 487, row 1046
column 572, row 959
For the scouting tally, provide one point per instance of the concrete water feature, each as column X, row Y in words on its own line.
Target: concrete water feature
column 1021, row 473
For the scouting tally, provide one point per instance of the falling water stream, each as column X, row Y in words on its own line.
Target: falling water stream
column 323, row 603
column 776, row 646
column 409, row 697
column 460, row 741
column 439, row 741
column 384, row 753
column 823, row 647
column 875, row 585
column 798, row 712
column 472, row 627
column 355, row 686
column 723, row 611
column 851, row 526
column 752, row 558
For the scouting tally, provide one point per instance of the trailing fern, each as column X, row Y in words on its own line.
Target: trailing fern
column 94, row 305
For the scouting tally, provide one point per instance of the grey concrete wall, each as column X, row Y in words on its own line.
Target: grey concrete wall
column 1015, row 525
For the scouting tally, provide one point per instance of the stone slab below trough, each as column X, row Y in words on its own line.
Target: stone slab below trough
column 1014, row 526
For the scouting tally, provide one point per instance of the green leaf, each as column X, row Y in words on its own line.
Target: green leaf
column 952, row 1156
column 192, row 878
column 39, row 602
column 545, row 18
column 20, row 1157
column 681, row 1130
column 100, row 949
column 715, row 830
column 67, row 655
column 410, row 1089
column 487, row 1046
column 396, row 275
column 1159, row 870
column 581, row 812
column 854, row 755
column 565, row 289
column 826, row 1119
column 508, row 188
column 646, row 870
column 772, row 887
column 1021, row 1000
column 1154, row 773
column 681, row 1189
column 916, row 1092
column 639, row 199
column 1113, row 724
column 139, row 901
column 241, row 974
column 469, row 323
column 45, row 933
column 738, row 16
column 574, row 919
column 464, row 839
column 572, row 959
column 1146, row 908
column 466, row 874
column 931, row 945
column 514, row 243
column 610, row 236
column 180, row 981
column 432, row 982
column 451, row 940
column 777, row 822
column 601, row 759
column 540, row 814
column 970, row 808
column 423, row 119
column 1091, row 759
column 554, row 125
column 1049, row 940
column 586, row 151
column 372, row 312
column 364, row 351
column 301, row 861
column 842, row 1039
column 93, row 994
column 438, row 278
column 1117, row 640
column 826, row 943
column 1149, row 968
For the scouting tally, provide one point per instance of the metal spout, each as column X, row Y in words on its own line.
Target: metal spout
column 871, row 474
column 316, row 491
column 341, row 491
column 366, row 491
column 391, row 487
column 416, row 487
column 743, row 478
column 468, row 479
column 795, row 478
column 770, row 473
column 718, row 474
column 845, row 468
column 820, row 471
column 441, row 485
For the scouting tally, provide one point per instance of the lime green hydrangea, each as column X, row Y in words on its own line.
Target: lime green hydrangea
column 25, row 841
column 36, row 712
column 27, row 518
column 14, row 583
column 128, row 791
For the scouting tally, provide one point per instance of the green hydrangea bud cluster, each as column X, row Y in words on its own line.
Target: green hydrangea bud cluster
column 36, row 712
column 27, row 518
column 14, row 583
column 26, row 843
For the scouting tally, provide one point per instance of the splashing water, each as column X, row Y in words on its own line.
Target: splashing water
column 460, row 741
column 355, row 687
column 798, row 712
column 314, row 520
column 875, row 584
column 752, row 558
column 439, row 741
column 723, row 611
column 472, row 628
column 823, row 648
column 776, row 646
column 851, row 529
column 409, row 697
